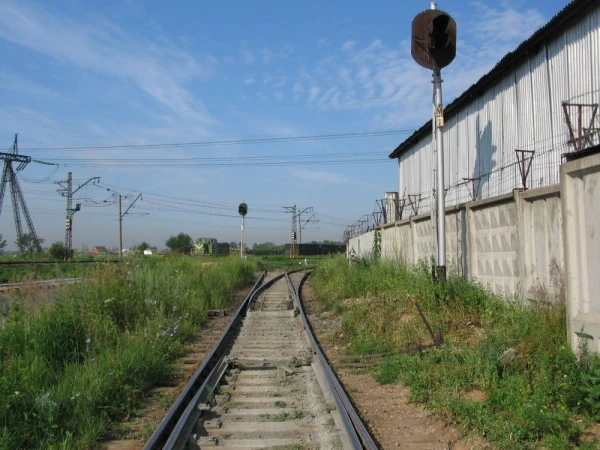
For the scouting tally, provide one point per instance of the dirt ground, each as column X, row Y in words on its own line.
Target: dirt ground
column 394, row 421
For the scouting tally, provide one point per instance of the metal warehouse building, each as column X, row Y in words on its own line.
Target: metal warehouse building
column 517, row 106
column 504, row 140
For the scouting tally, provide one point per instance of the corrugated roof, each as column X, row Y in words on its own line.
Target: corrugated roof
column 569, row 14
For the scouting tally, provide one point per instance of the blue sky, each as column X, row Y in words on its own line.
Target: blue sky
column 132, row 73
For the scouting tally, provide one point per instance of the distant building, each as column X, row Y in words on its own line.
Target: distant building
column 99, row 249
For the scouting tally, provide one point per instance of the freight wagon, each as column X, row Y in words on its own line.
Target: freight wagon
column 210, row 246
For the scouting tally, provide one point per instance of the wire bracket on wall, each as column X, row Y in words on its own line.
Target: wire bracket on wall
column 381, row 203
column 524, row 158
column 474, row 187
column 399, row 203
column 414, row 200
column 582, row 137
column 377, row 218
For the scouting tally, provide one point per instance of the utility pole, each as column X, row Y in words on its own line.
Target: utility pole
column 120, row 231
column 292, row 210
column 121, row 224
column 434, row 47
column 301, row 224
column 68, row 192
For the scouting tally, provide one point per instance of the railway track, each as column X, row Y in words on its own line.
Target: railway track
column 265, row 384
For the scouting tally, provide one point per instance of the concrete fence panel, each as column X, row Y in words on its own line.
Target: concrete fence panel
column 580, row 195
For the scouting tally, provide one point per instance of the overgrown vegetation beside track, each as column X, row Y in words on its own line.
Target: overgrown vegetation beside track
column 506, row 372
column 17, row 273
column 284, row 262
column 83, row 362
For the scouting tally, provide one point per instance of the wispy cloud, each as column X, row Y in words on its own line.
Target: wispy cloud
column 250, row 80
column 320, row 176
column 380, row 76
column 11, row 82
column 247, row 56
column 160, row 70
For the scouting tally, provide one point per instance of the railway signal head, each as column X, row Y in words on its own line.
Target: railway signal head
column 243, row 209
column 293, row 235
column 433, row 39
column 68, row 223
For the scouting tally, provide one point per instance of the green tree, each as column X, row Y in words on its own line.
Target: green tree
column 58, row 250
column 265, row 246
column 143, row 246
column 29, row 244
column 182, row 243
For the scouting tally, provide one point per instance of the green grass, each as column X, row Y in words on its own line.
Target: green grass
column 536, row 399
column 283, row 416
column 82, row 363
column 284, row 262
column 32, row 271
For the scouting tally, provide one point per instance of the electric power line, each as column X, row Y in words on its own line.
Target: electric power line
column 316, row 137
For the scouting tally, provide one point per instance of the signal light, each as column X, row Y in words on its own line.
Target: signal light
column 433, row 39
column 293, row 235
column 439, row 38
column 243, row 209
column 68, row 224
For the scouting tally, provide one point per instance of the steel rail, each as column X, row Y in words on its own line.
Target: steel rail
column 169, row 429
column 360, row 436
column 179, row 435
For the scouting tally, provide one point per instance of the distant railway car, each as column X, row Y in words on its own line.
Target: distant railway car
column 205, row 246
column 222, row 249
column 210, row 246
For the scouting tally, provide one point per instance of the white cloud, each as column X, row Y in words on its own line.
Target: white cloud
column 312, row 93
column 348, row 46
column 247, row 56
column 266, row 55
column 320, row 176
column 298, row 89
column 250, row 80
column 160, row 70
column 279, row 95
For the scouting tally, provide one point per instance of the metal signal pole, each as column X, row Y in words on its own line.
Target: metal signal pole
column 440, row 191
column 243, row 210
column 434, row 47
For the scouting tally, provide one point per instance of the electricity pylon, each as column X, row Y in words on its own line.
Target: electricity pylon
column 9, row 176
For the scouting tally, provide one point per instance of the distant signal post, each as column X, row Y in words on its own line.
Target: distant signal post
column 243, row 210
column 434, row 47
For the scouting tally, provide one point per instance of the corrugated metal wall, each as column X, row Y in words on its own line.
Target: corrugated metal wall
column 524, row 112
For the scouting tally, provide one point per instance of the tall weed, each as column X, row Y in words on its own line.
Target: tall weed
column 68, row 371
column 532, row 390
